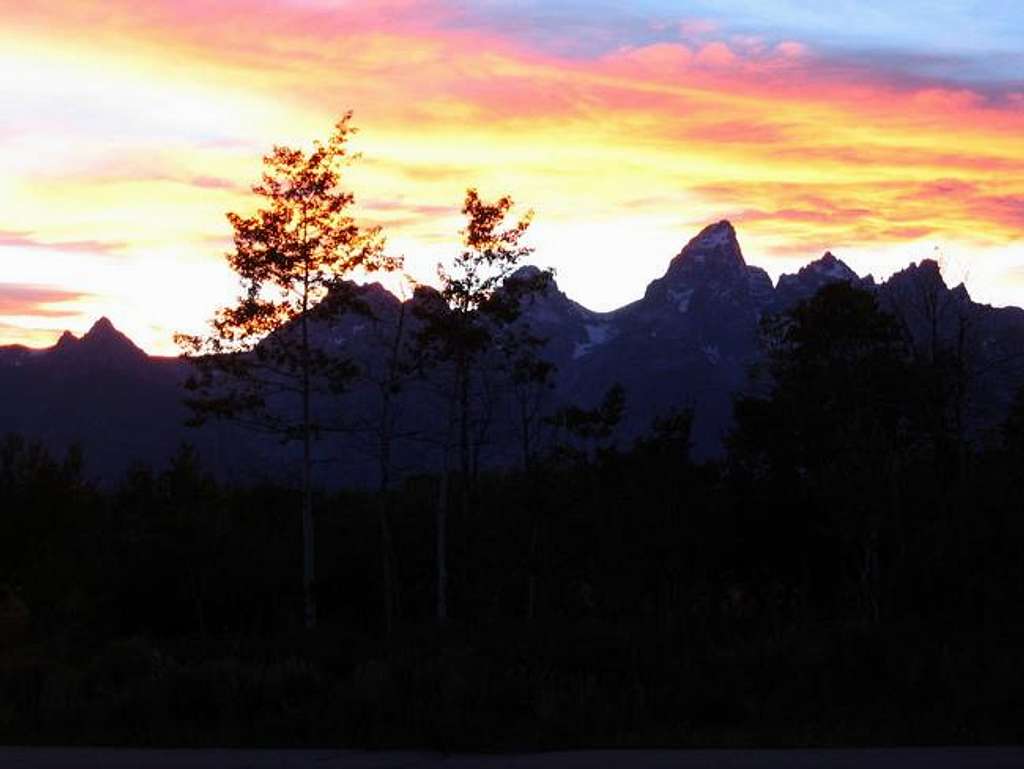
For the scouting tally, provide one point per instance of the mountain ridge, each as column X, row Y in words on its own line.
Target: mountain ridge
column 717, row 243
column 689, row 341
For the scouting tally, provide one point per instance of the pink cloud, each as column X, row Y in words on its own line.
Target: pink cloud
column 947, row 99
column 791, row 50
column 425, row 210
column 722, row 106
column 662, row 57
column 38, row 301
column 15, row 239
column 760, row 133
column 716, row 55
column 215, row 183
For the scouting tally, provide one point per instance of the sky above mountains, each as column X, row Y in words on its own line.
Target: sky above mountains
column 885, row 132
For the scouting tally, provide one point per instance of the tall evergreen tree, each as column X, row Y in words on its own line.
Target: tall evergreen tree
column 840, row 423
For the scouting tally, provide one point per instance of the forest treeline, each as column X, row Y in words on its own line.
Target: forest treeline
column 849, row 573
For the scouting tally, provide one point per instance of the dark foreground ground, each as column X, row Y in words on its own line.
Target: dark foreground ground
column 909, row 758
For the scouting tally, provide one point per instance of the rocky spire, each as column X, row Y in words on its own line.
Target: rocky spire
column 715, row 249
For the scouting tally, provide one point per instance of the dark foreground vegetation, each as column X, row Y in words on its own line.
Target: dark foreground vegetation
column 850, row 573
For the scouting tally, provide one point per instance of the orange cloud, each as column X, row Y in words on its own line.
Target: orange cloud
column 164, row 109
column 37, row 301
column 23, row 240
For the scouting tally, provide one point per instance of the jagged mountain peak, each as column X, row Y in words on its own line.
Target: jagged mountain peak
column 526, row 272
column 719, row 232
column 829, row 267
column 926, row 267
column 834, row 267
column 961, row 293
column 67, row 339
column 534, row 282
column 924, row 274
column 709, row 276
column 104, row 340
column 376, row 288
column 102, row 329
column 716, row 246
column 794, row 287
column 425, row 297
column 375, row 296
column 922, row 287
column 544, row 303
column 690, row 341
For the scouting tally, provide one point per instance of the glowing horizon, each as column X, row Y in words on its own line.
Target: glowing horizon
column 132, row 127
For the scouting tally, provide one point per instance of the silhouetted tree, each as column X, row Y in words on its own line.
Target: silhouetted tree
column 529, row 375
column 671, row 436
column 385, row 421
column 464, row 322
column 839, row 421
column 260, row 365
column 44, row 501
column 586, row 431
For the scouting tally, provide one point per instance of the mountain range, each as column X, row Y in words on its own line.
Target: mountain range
column 690, row 341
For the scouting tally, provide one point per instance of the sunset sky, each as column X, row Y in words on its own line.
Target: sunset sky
column 887, row 132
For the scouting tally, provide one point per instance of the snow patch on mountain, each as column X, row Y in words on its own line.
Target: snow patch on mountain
column 716, row 248
column 341, row 338
column 681, row 298
column 831, row 268
column 720, row 234
column 597, row 335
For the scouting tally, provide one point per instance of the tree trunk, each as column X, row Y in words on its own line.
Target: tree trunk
column 442, row 544
column 388, row 556
column 197, row 597
column 524, row 423
column 308, row 549
column 444, row 492
column 531, row 559
column 464, row 447
column 386, row 541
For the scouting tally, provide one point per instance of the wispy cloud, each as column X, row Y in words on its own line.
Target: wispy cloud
column 18, row 239
column 215, row 183
column 134, row 138
column 38, row 301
